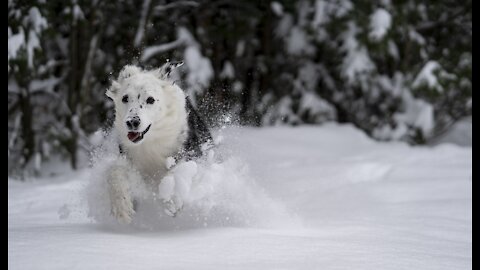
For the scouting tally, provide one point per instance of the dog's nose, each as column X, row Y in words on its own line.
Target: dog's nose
column 133, row 123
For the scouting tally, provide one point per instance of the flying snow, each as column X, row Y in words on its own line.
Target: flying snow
column 215, row 190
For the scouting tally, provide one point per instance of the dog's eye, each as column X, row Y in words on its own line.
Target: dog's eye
column 150, row 100
column 125, row 99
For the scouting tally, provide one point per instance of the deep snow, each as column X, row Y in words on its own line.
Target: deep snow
column 324, row 198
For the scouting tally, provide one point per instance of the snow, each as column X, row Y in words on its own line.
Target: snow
column 281, row 112
column 310, row 103
column 283, row 28
column 277, row 8
column 325, row 10
column 78, row 13
column 38, row 22
column 393, row 50
column 416, row 113
column 45, row 85
column 31, row 42
column 298, row 42
column 380, row 23
column 183, row 38
column 417, row 37
column 460, row 133
column 323, row 197
column 317, row 107
column 142, row 23
column 240, row 49
column 178, row 4
column 199, row 68
column 228, row 71
column 320, row 17
column 162, row 48
column 15, row 43
column 427, row 76
column 357, row 61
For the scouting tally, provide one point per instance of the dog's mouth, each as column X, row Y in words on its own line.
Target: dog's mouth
column 136, row 137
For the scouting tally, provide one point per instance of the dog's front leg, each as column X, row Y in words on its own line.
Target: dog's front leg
column 120, row 194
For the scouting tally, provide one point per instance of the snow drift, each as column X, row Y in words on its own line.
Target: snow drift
column 362, row 205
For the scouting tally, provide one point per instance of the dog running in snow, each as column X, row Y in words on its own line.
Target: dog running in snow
column 155, row 121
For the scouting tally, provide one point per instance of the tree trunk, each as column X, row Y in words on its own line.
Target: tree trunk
column 27, row 129
column 72, row 94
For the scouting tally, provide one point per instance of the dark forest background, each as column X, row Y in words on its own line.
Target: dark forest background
column 398, row 70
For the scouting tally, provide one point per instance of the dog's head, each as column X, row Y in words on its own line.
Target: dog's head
column 142, row 100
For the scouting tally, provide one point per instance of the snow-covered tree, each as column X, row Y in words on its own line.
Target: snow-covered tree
column 382, row 66
column 399, row 70
column 26, row 25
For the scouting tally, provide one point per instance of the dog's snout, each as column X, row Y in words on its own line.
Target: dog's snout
column 133, row 123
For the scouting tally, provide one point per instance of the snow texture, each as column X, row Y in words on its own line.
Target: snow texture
column 199, row 68
column 15, row 43
column 29, row 42
column 460, row 133
column 277, row 8
column 320, row 16
column 316, row 106
column 78, row 13
column 228, row 72
column 142, row 23
column 419, row 114
column 427, row 76
column 315, row 197
column 380, row 23
column 216, row 190
column 183, row 37
column 149, row 52
column 416, row 113
column 37, row 21
column 298, row 42
column 357, row 61
column 325, row 10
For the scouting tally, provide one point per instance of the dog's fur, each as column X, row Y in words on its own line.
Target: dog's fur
column 169, row 127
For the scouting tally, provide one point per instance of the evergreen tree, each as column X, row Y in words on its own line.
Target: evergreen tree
column 399, row 70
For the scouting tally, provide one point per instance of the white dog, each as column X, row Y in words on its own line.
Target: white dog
column 154, row 121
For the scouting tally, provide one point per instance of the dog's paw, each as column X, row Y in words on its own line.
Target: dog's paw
column 123, row 210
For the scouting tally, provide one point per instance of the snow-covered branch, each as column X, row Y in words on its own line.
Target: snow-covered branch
column 143, row 22
column 162, row 8
column 153, row 50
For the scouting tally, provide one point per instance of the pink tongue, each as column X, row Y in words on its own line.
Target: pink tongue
column 132, row 136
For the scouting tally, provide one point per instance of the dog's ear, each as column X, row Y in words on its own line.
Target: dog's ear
column 164, row 71
column 128, row 71
column 112, row 91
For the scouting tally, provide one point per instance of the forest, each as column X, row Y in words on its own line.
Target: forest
column 397, row 70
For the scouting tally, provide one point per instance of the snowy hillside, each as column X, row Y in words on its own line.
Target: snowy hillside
column 323, row 197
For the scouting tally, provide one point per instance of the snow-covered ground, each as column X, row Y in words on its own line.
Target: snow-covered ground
column 323, row 197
